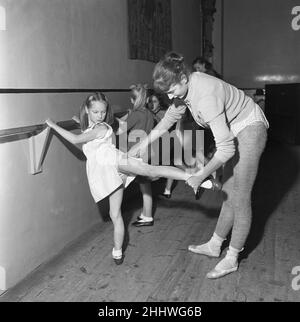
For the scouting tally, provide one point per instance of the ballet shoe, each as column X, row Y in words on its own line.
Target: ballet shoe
column 218, row 272
column 215, row 186
column 213, row 274
column 196, row 249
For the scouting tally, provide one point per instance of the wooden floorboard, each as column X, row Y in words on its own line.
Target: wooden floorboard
column 157, row 265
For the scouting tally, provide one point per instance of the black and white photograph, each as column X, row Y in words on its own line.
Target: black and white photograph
column 150, row 154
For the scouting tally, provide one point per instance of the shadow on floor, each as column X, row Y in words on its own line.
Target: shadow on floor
column 132, row 201
column 278, row 171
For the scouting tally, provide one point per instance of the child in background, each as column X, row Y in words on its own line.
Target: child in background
column 140, row 118
column 200, row 64
column 155, row 105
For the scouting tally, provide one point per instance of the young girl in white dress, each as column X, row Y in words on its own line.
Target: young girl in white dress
column 108, row 169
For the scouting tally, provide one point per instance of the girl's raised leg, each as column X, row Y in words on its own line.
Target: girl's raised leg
column 138, row 167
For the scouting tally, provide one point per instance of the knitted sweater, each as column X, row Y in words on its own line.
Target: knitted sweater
column 214, row 104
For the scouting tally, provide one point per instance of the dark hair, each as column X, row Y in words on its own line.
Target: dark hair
column 159, row 96
column 169, row 70
column 201, row 60
column 87, row 104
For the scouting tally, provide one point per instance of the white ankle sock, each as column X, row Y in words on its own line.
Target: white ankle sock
column 215, row 242
column 230, row 260
column 217, row 239
column 117, row 253
column 233, row 253
column 145, row 218
column 211, row 248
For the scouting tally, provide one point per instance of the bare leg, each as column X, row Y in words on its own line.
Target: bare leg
column 168, row 189
column 115, row 201
column 138, row 167
column 147, row 199
column 145, row 218
column 169, row 185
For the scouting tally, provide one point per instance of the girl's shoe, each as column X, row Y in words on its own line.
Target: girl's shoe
column 118, row 259
column 204, row 249
column 214, row 273
column 140, row 222
column 209, row 183
column 212, row 183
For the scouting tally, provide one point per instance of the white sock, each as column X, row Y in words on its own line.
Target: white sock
column 167, row 191
column 145, row 218
column 233, row 253
column 211, row 248
column 215, row 242
column 117, row 253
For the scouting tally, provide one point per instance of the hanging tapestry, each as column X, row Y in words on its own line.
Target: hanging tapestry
column 150, row 30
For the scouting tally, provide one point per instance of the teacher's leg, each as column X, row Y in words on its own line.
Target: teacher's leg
column 212, row 248
column 251, row 143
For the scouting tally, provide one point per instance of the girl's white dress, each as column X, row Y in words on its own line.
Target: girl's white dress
column 102, row 165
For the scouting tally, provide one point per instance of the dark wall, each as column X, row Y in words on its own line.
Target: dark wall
column 261, row 42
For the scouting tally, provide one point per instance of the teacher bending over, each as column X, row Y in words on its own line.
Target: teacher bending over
column 239, row 127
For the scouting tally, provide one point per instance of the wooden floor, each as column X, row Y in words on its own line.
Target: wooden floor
column 157, row 265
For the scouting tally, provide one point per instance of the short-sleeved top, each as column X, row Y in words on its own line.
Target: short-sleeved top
column 214, row 104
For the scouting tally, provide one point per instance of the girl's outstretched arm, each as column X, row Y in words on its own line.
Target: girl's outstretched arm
column 98, row 132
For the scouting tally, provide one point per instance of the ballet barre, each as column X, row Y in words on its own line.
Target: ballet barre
column 37, row 136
